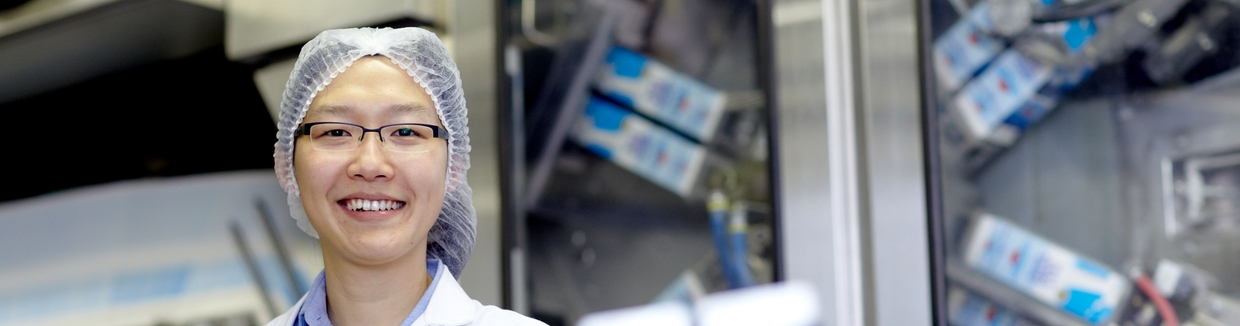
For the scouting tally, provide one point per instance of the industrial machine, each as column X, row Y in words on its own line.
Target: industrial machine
column 1084, row 155
column 636, row 150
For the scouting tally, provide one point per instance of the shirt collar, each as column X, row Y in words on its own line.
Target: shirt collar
column 450, row 305
column 432, row 265
column 314, row 309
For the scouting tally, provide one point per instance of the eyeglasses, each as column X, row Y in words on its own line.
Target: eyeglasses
column 400, row 137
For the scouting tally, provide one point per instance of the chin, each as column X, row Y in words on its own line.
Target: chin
column 377, row 248
column 374, row 241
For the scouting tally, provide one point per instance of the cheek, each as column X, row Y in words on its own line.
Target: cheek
column 427, row 175
column 313, row 174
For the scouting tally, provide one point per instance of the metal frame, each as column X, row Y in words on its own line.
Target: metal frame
column 855, row 245
column 436, row 131
column 575, row 97
column 893, row 198
column 843, row 189
column 514, row 294
column 932, row 169
column 820, row 241
column 767, row 83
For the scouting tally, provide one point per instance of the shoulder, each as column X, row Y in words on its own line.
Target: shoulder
column 492, row 315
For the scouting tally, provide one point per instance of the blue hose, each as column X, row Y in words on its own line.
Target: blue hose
column 718, row 208
column 738, row 230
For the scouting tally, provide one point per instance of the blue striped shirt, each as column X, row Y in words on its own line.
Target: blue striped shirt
column 314, row 311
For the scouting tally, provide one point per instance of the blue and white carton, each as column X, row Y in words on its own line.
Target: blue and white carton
column 641, row 146
column 966, row 46
column 965, row 308
column 661, row 93
column 1045, row 271
column 1015, row 91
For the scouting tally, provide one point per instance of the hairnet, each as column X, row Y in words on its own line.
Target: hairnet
column 423, row 56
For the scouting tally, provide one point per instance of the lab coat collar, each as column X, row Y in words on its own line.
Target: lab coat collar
column 449, row 304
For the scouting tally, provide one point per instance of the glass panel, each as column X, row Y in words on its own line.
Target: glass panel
column 334, row 136
column 640, row 152
column 1090, row 159
column 408, row 138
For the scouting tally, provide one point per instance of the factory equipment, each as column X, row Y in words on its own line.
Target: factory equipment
column 1084, row 155
column 638, row 156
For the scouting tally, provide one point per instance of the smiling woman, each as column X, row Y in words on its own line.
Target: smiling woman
column 392, row 210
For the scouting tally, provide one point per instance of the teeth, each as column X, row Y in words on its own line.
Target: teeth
column 372, row 205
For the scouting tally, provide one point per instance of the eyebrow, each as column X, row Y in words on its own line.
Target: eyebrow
column 413, row 108
column 333, row 110
column 410, row 108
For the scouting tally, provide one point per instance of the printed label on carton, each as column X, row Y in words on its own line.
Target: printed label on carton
column 1006, row 91
column 658, row 91
column 999, row 91
column 969, row 309
column 964, row 49
column 647, row 149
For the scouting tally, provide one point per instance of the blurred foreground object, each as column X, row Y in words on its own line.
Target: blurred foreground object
column 10, row 4
column 777, row 304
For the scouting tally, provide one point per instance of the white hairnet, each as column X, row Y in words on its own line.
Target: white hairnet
column 424, row 57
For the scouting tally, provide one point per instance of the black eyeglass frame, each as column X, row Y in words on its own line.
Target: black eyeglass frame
column 436, row 131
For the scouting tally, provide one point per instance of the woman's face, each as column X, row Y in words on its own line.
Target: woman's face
column 409, row 187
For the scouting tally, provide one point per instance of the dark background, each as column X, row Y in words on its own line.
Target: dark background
column 195, row 114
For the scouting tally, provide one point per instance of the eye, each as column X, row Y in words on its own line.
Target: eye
column 405, row 132
column 336, row 133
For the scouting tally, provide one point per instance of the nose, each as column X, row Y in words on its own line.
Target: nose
column 370, row 161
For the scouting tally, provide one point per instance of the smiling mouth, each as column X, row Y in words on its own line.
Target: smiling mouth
column 365, row 205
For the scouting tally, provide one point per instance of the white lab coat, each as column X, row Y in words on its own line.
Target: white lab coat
column 449, row 306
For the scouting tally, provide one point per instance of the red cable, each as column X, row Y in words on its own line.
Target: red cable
column 1160, row 302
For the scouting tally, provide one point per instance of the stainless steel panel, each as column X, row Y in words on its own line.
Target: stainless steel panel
column 851, row 181
column 894, row 182
column 806, row 244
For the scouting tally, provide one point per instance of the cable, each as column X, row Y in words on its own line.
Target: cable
column 529, row 12
column 1164, row 307
column 1079, row 10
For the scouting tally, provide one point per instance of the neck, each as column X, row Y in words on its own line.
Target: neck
column 381, row 294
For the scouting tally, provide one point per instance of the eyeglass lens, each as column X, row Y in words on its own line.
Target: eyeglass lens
column 408, row 138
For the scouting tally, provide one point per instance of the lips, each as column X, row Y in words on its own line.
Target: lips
column 358, row 204
column 370, row 207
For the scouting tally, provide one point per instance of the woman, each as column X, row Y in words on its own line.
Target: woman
column 372, row 148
